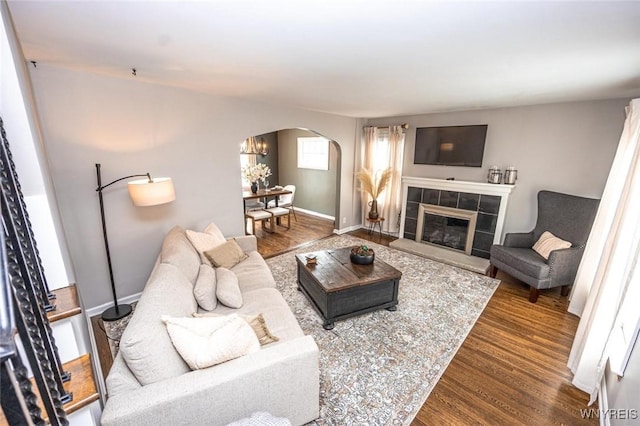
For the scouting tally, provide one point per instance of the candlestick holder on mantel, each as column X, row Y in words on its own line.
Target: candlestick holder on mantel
column 509, row 177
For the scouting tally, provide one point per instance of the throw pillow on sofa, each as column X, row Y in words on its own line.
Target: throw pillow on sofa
column 257, row 323
column 205, row 289
column 202, row 242
column 212, row 229
column 228, row 288
column 203, row 342
column 226, row 255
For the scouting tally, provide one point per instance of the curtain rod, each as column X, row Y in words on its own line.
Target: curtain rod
column 404, row 126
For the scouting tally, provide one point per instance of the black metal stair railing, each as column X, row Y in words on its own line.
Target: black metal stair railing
column 30, row 292
column 18, row 401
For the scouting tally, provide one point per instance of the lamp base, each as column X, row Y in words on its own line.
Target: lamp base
column 116, row 312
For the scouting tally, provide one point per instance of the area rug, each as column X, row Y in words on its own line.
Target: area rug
column 379, row 368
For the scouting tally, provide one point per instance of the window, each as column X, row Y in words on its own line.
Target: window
column 380, row 157
column 245, row 160
column 380, row 150
column 625, row 332
column 313, row 153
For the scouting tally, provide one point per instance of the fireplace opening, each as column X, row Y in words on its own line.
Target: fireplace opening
column 446, row 227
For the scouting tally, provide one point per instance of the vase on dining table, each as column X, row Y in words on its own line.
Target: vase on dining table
column 254, row 187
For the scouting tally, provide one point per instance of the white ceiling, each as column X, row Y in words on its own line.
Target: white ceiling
column 355, row 58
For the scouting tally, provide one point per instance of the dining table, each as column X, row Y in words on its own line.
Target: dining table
column 263, row 193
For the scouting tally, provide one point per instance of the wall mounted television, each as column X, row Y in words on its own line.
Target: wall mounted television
column 450, row 146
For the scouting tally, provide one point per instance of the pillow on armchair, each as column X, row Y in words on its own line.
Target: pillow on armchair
column 548, row 243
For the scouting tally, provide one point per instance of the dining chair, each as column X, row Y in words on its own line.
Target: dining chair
column 279, row 212
column 250, row 205
column 259, row 216
column 286, row 200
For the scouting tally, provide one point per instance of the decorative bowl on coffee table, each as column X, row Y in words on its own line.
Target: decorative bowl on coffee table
column 362, row 255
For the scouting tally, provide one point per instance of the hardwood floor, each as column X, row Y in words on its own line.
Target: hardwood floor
column 304, row 230
column 512, row 367
column 510, row 370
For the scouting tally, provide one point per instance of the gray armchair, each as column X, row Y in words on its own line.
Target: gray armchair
column 567, row 217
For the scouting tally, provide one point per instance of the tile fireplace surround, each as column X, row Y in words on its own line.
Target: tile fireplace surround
column 488, row 200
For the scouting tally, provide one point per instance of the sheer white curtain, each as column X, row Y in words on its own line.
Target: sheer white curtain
column 384, row 148
column 608, row 266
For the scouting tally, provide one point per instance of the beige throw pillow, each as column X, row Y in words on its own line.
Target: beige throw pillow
column 549, row 242
column 202, row 242
column 226, row 255
column 257, row 323
column 212, row 229
column 203, row 342
column 205, row 289
column 228, row 289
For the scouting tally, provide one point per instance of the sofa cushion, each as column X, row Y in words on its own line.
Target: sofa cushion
column 226, row 255
column 205, row 288
column 145, row 344
column 203, row 242
column 227, row 289
column 270, row 303
column 179, row 252
column 203, row 342
column 120, row 379
column 253, row 273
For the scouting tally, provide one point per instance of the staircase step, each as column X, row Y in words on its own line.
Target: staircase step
column 82, row 385
column 66, row 303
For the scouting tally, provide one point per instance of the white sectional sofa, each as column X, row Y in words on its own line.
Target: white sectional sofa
column 150, row 384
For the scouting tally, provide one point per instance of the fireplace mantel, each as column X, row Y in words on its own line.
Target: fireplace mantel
column 458, row 185
column 496, row 197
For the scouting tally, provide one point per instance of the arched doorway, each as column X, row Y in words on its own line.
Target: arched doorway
column 311, row 162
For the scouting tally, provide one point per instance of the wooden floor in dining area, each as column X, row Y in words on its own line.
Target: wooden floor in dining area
column 304, row 229
column 510, row 370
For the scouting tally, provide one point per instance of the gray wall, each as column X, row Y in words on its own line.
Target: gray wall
column 562, row 147
column 315, row 189
column 132, row 127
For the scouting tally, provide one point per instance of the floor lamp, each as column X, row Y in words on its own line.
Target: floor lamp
column 143, row 192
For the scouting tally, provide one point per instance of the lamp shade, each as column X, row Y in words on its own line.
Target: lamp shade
column 145, row 193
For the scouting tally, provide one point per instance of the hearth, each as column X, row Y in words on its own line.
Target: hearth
column 448, row 227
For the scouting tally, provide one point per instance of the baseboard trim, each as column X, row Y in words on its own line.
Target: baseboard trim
column 345, row 230
column 98, row 310
column 312, row 213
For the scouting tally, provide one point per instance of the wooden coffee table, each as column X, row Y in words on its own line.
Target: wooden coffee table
column 339, row 289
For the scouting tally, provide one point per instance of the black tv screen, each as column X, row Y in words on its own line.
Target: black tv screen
column 450, row 146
